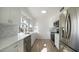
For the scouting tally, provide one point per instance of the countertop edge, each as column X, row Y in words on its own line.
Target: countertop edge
column 18, row 39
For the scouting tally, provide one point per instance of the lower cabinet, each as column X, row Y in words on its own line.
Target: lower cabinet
column 11, row 48
column 23, row 45
column 16, row 47
column 33, row 38
column 27, row 44
column 57, row 40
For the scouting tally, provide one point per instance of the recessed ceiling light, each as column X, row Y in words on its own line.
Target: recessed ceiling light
column 43, row 11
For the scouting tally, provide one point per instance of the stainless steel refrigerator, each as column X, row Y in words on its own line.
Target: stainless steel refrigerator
column 69, row 27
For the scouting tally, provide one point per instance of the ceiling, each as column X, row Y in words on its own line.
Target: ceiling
column 36, row 12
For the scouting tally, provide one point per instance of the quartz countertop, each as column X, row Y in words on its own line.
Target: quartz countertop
column 11, row 40
column 22, row 35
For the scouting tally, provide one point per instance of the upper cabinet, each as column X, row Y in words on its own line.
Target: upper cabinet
column 10, row 15
column 16, row 16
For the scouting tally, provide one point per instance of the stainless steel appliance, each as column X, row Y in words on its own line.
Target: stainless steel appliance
column 69, row 28
column 54, row 30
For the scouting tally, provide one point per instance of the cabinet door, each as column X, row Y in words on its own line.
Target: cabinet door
column 14, row 15
column 57, row 40
column 21, row 46
column 10, row 15
column 27, row 44
column 4, row 15
column 33, row 38
column 12, row 48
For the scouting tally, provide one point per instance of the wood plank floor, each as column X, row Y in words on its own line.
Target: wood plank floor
column 43, row 45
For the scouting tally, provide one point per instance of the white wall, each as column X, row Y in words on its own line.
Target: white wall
column 45, row 25
column 44, row 29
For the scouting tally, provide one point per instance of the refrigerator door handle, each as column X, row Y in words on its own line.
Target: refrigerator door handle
column 69, row 26
column 66, row 29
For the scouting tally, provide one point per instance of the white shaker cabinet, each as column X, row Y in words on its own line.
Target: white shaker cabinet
column 57, row 40
column 10, row 15
column 21, row 46
column 16, row 47
column 33, row 38
column 11, row 48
